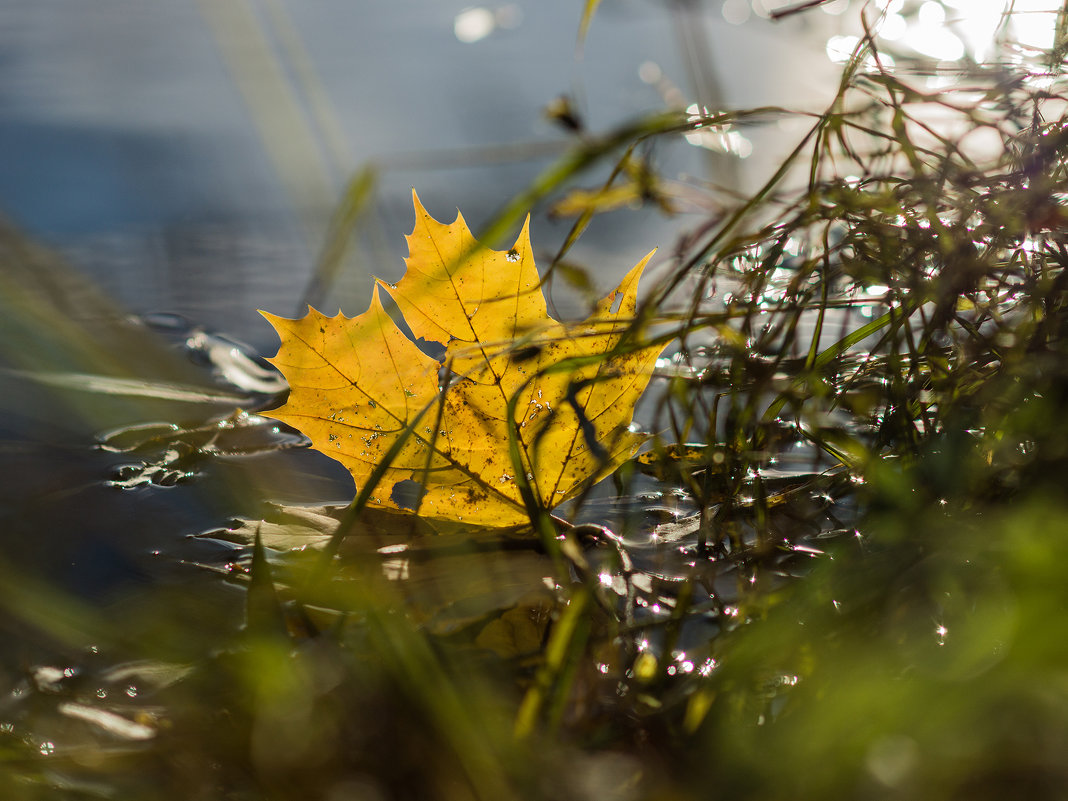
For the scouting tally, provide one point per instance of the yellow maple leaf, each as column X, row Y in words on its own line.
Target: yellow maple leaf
column 358, row 385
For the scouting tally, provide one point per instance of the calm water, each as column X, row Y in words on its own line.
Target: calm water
column 186, row 154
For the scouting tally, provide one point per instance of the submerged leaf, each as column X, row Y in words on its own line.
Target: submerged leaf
column 359, row 387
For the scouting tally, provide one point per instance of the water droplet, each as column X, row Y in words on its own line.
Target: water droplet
column 513, row 255
column 373, row 404
column 47, row 748
column 131, row 691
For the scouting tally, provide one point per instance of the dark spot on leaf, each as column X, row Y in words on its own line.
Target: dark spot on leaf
column 407, row 494
column 525, row 354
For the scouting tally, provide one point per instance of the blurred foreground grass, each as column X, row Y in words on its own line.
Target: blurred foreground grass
column 852, row 583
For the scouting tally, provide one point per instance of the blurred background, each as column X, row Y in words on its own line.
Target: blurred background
column 187, row 155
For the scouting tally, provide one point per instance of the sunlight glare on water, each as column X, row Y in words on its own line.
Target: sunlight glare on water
column 949, row 31
column 474, row 24
column 720, row 138
column 736, row 11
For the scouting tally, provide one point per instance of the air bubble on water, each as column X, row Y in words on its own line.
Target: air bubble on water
column 47, row 748
column 131, row 691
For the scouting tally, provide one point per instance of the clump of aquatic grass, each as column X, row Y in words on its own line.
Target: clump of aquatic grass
column 903, row 313
column 890, row 307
